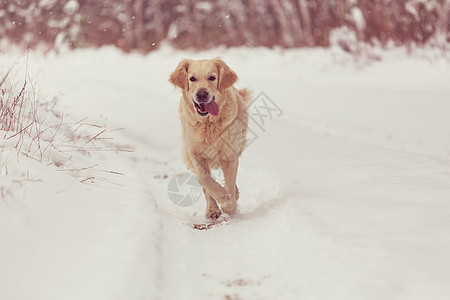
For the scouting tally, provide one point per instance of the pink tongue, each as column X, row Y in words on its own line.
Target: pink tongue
column 212, row 107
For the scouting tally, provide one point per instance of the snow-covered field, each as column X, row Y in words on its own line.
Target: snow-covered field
column 345, row 187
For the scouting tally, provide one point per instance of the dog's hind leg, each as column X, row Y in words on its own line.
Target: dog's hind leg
column 229, row 169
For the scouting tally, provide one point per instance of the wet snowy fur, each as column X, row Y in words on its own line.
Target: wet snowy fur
column 210, row 142
column 213, row 138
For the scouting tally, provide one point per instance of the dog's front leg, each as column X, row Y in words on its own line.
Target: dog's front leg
column 212, row 209
column 229, row 169
column 211, row 186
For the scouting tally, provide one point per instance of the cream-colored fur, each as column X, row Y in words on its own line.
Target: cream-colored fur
column 212, row 141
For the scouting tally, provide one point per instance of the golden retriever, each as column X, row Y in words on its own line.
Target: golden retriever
column 214, row 120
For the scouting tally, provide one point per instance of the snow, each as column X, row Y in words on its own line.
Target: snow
column 343, row 196
column 71, row 7
column 358, row 18
column 206, row 6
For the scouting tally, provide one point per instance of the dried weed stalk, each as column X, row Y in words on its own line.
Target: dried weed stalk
column 34, row 129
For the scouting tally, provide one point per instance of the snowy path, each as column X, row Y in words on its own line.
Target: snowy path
column 344, row 196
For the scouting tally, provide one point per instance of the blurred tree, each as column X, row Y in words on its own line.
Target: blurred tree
column 143, row 24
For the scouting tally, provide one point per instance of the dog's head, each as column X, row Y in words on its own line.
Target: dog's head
column 202, row 82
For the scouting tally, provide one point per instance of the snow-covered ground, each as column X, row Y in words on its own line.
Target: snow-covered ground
column 345, row 187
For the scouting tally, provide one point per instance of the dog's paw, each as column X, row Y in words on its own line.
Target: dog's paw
column 228, row 205
column 213, row 213
column 229, row 210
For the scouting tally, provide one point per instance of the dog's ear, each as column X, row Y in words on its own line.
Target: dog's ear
column 227, row 77
column 179, row 76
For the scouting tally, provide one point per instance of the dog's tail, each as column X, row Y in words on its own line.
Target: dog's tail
column 246, row 95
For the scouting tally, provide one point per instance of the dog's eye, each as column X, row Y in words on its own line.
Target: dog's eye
column 193, row 79
column 212, row 78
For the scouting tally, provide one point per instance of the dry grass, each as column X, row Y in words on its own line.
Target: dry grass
column 34, row 129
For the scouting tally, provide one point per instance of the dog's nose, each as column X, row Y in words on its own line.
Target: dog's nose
column 202, row 96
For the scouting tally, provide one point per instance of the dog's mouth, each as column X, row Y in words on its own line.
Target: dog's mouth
column 203, row 109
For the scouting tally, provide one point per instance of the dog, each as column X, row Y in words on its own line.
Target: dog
column 214, row 120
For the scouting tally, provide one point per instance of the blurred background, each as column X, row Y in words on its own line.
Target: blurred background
column 142, row 25
column 344, row 187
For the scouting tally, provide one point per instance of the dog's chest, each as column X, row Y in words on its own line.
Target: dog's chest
column 218, row 142
column 210, row 140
